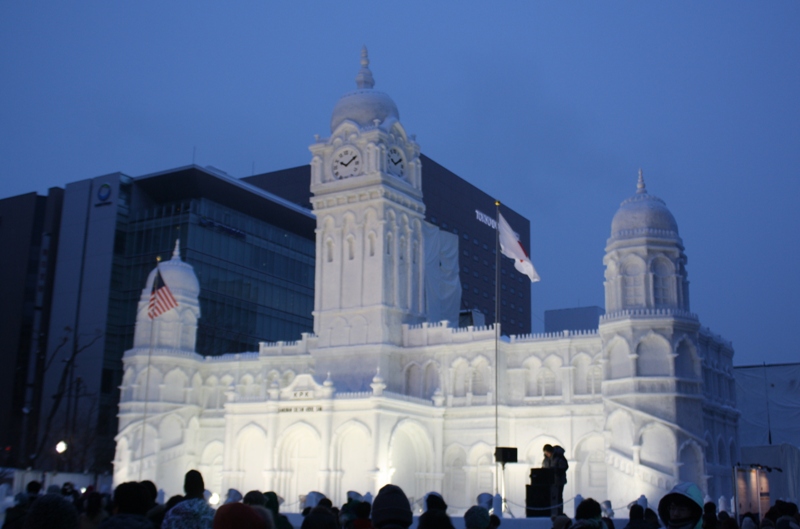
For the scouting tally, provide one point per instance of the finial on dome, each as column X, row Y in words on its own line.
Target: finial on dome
column 176, row 253
column 640, row 188
column 364, row 78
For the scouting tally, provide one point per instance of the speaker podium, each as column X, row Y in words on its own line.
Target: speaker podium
column 540, row 494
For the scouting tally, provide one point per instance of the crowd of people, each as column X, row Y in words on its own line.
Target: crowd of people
column 134, row 505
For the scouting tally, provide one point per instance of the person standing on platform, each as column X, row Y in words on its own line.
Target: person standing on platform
column 554, row 458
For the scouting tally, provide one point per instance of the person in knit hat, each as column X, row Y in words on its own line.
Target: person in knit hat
column 320, row 518
column 589, row 515
column 255, row 497
column 391, row 509
column 273, row 506
column 363, row 511
column 193, row 511
column 636, row 518
column 52, row 511
column 476, row 517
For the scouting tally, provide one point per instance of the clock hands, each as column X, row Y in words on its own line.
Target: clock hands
column 348, row 163
column 397, row 161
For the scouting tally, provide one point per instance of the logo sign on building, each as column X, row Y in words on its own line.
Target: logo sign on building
column 104, row 195
column 489, row 221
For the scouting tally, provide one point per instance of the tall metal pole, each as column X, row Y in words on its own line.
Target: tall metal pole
column 147, row 382
column 497, row 340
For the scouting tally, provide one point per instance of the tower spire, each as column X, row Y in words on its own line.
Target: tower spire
column 364, row 78
column 640, row 188
column 176, row 253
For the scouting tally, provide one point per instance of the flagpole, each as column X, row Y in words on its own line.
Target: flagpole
column 496, row 338
column 147, row 379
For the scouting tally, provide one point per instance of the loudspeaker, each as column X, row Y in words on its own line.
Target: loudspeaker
column 505, row 454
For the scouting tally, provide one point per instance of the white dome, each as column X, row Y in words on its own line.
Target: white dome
column 643, row 214
column 177, row 275
column 364, row 105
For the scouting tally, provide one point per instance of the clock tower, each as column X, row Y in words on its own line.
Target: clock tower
column 367, row 196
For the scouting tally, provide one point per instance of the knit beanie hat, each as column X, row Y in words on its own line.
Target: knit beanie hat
column 319, row 518
column 391, row 506
column 476, row 517
column 255, row 497
column 235, row 516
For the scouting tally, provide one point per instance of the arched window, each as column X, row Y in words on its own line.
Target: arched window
column 662, row 283
column 414, row 380
column 633, row 283
column 546, row 382
column 329, row 250
column 594, row 379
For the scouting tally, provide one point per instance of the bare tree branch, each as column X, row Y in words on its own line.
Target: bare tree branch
column 58, row 396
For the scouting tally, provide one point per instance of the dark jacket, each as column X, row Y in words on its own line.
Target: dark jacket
column 126, row 521
column 15, row 516
column 559, row 463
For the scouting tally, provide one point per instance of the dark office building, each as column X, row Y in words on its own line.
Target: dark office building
column 454, row 205
column 29, row 236
column 253, row 253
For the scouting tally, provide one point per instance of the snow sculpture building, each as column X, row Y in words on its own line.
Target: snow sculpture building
column 379, row 394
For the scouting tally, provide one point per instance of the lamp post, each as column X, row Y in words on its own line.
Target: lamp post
column 61, row 447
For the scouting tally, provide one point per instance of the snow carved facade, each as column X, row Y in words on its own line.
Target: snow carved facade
column 377, row 394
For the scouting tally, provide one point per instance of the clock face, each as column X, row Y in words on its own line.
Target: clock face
column 396, row 162
column 346, row 163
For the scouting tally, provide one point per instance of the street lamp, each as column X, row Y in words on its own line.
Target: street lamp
column 61, row 447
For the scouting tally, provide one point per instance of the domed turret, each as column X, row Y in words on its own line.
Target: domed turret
column 176, row 328
column 643, row 214
column 645, row 263
column 178, row 276
column 364, row 105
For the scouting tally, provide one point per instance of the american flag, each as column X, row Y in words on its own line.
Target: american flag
column 161, row 299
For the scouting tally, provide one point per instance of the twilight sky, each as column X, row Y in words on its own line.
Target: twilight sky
column 552, row 107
